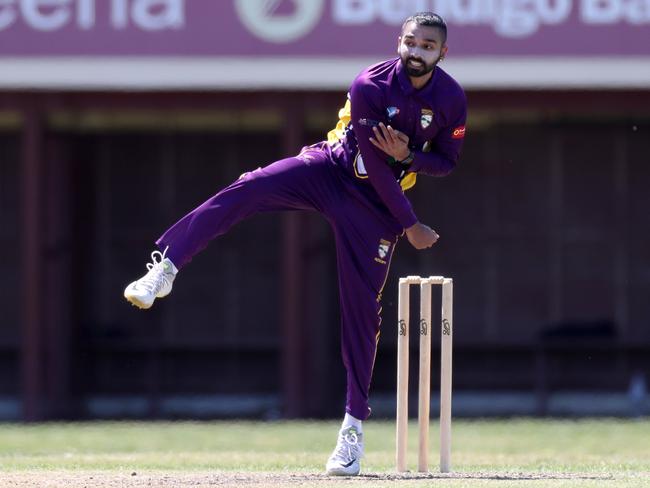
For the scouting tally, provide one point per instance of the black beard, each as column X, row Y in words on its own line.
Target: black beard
column 418, row 72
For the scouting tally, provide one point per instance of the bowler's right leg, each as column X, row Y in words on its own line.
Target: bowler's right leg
column 289, row 184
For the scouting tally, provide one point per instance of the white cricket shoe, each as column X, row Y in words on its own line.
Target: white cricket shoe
column 157, row 283
column 345, row 460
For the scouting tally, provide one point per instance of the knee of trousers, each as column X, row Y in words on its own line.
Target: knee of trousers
column 247, row 192
column 360, row 327
column 256, row 188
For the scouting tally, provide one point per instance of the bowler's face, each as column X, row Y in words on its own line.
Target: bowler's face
column 420, row 47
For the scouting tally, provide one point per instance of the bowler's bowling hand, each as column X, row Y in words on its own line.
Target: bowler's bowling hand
column 391, row 141
column 421, row 236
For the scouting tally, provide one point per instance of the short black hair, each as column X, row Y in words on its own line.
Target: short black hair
column 429, row 19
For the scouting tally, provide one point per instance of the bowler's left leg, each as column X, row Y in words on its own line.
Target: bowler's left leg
column 365, row 241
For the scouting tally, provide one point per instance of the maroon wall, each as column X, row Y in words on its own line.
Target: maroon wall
column 543, row 225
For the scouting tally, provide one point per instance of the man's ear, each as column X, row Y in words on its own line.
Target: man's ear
column 443, row 52
column 399, row 43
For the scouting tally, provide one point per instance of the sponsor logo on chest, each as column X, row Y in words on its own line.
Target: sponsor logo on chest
column 392, row 112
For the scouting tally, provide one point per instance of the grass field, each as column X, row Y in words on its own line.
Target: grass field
column 504, row 453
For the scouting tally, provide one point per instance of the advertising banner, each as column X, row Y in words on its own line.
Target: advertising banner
column 300, row 35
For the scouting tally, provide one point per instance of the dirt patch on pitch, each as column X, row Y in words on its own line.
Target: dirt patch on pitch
column 69, row 479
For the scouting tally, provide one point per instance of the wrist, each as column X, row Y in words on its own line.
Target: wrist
column 408, row 159
column 404, row 163
column 413, row 227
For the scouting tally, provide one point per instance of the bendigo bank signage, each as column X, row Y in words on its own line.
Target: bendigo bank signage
column 328, row 28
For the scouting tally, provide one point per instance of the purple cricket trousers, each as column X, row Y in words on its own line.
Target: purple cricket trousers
column 365, row 237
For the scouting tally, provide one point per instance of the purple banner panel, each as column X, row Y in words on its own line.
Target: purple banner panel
column 241, row 28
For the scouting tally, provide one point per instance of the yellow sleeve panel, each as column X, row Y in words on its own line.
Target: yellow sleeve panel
column 345, row 114
column 408, row 181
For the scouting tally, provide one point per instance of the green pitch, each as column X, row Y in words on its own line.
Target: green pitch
column 504, row 453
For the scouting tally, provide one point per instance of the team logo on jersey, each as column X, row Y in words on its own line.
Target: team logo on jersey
column 384, row 247
column 426, row 118
column 458, row 133
column 392, row 112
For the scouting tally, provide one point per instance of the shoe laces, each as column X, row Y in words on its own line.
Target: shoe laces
column 348, row 445
column 154, row 280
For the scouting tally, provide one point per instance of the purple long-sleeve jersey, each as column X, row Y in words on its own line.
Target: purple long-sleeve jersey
column 350, row 183
column 433, row 118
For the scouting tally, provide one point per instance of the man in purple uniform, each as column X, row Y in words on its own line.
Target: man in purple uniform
column 403, row 117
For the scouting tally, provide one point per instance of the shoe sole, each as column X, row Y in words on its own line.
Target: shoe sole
column 341, row 473
column 137, row 303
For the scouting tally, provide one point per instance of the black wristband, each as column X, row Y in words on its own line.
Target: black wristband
column 406, row 162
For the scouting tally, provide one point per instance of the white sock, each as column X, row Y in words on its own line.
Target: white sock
column 350, row 421
column 174, row 270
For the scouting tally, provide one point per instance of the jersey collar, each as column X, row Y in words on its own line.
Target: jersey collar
column 405, row 81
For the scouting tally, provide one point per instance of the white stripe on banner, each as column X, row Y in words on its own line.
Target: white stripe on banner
column 188, row 73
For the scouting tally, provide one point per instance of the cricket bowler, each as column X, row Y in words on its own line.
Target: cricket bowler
column 403, row 117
